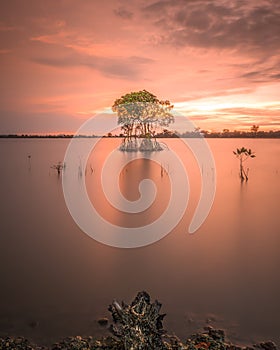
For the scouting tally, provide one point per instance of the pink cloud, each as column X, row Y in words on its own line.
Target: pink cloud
column 73, row 59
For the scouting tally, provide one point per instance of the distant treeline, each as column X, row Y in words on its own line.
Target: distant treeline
column 223, row 134
column 50, row 136
column 164, row 134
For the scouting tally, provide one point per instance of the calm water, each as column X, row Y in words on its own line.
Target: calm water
column 56, row 278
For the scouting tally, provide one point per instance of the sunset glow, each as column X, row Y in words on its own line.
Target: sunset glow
column 217, row 61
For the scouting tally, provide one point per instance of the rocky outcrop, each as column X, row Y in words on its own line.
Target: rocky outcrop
column 139, row 326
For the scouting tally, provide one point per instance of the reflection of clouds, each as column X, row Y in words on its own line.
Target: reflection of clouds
column 115, row 164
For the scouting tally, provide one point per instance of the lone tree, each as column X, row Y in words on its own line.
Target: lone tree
column 243, row 154
column 255, row 129
column 140, row 114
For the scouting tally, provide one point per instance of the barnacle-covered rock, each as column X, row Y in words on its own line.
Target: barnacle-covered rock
column 9, row 343
column 138, row 325
column 88, row 343
column 212, row 339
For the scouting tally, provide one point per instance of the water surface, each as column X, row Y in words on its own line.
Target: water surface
column 57, row 281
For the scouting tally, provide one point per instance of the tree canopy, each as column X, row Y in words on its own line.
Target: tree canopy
column 142, row 112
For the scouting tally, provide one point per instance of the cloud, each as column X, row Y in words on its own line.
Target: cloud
column 275, row 76
column 120, row 67
column 212, row 94
column 4, row 51
column 7, row 28
column 201, row 53
column 123, row 13
column 218, row 24
column 265, row 75
column 262, row 112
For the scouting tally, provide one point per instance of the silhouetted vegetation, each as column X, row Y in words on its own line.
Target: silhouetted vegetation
column 243, row 154
column 58, row 167
column 226, row 133
column 241, row 134
column 140, row 114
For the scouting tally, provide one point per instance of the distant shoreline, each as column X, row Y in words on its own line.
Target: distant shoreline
column 216, row 135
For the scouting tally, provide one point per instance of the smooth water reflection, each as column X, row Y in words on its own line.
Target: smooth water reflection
column 54, row 274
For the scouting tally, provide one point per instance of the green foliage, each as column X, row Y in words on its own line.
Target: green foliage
column 132, row 97
column 142, row 112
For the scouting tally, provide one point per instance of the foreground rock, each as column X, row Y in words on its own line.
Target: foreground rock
column 139, row 326
column 8, row 343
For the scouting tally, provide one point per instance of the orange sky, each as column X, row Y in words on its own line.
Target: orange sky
column 216, row 60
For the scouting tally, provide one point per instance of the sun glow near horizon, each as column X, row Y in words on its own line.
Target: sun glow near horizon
column 73, row 64
column 234, row 111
